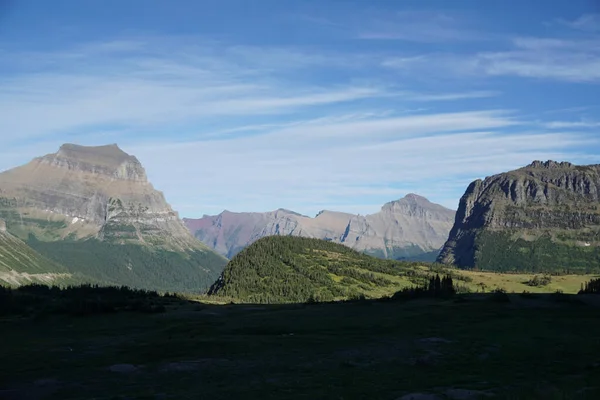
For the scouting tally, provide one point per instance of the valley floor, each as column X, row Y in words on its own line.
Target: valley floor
column 478, row 346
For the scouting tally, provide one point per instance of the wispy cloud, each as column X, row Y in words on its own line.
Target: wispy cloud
column 418, row 26
column 529, row 57
column 571, row 124
column 310, row 173
column 455, row 96
column 99, row 85
column 306, row 126
column 586, row 22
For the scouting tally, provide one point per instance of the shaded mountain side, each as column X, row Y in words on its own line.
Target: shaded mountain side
column 410, row 228
column 281, row 269
column 79, row 205
column 134, row 265
column 542, row 217
column 20, row 264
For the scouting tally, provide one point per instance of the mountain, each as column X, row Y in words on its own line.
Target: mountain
column 282, row 269
column 409, row 228
column 93, row 210
column 545, row 216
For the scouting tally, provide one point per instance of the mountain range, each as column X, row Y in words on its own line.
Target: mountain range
column 410, row 228
column 89, row 214
column 93, row 211
column 542, row 217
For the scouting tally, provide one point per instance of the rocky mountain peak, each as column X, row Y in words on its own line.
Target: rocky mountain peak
column 108, row 160
column 97, row 191
column 549, row 164
column 555, row 200
column 413, row 204
column 410, row 199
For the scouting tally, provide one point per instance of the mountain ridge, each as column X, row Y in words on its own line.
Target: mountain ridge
column 404, row 228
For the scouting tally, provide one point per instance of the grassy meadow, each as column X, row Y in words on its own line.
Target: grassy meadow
column 502, row 346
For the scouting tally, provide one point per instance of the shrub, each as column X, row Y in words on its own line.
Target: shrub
column 539, row 281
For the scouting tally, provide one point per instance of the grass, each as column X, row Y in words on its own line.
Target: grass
column 534, row 347
column 516, row 282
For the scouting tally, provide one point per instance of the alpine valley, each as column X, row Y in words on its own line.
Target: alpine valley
column 89, row 214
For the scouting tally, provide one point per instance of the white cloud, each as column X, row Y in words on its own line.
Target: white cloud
column 571, row 124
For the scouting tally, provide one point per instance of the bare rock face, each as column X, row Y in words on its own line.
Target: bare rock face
column 92, row 211
column 545, row 215
column 409, row 227
column 93, row 190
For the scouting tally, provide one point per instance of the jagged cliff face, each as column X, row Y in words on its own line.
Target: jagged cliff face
column 406, row 228
column 92, row 211
column 94, row 191
column 543, row 215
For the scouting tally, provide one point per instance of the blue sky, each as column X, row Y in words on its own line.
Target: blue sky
column 305, row 105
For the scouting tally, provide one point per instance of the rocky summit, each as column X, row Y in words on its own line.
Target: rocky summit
column 545, row 216
column 409, row 228
column 92, row 190
column 98, row 198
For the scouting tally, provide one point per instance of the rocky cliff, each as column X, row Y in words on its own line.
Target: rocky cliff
column 99, row 195
column 411, row 227
column 544, row 216
column 93, row 190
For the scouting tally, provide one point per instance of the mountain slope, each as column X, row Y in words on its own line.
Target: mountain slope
column 278, row 269
column 545, row 216
column 93, row 210
column 20, row 264
column 411, row 228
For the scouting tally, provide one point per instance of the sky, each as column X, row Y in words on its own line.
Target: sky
column 305, row 105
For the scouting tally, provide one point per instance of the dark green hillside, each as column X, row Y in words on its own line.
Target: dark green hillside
column 279, row 269
column 500, row 251
column 135, row 265
column 21, row 264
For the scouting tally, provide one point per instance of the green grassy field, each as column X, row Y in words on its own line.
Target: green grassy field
column 515, row 347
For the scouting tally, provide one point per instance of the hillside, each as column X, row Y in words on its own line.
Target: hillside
column 411, row 228
column 20, row 264
column 295, row 269
column 542, row 217
column 288, row 269
column 93, row 210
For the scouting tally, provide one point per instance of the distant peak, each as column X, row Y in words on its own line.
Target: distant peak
column 549, row 164
column 410, row 199
column 415, row 197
